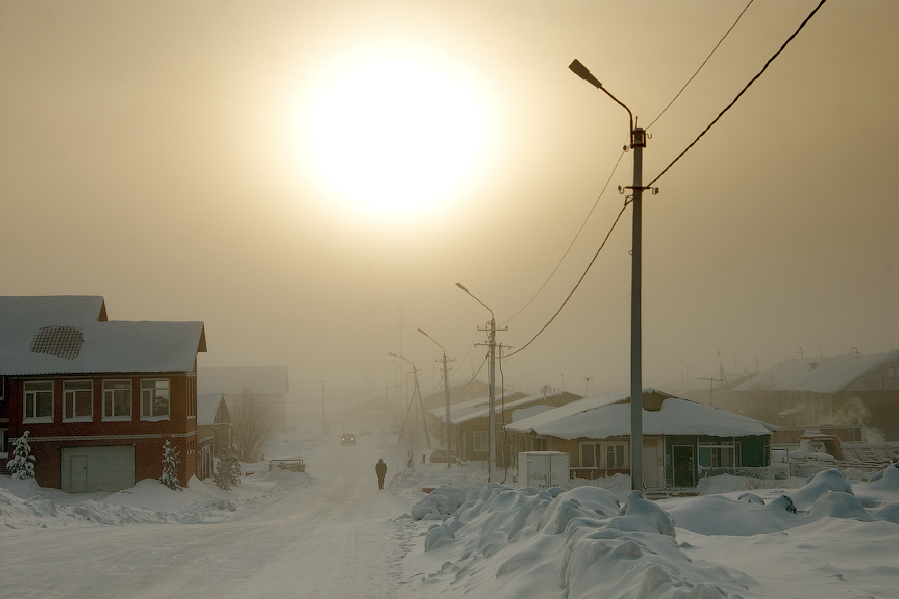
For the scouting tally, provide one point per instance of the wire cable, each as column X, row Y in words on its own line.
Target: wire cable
column 700, row 66
column 589, row 214
column 477, row 373
column 734, row 101
column 618, row 218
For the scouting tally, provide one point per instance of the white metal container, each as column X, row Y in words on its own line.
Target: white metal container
column 544, row 469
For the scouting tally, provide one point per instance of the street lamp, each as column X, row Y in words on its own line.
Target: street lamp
column 491, row 344
column 637, row 140
column 449, row 446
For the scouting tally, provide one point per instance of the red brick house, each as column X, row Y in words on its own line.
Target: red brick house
column 99, row 398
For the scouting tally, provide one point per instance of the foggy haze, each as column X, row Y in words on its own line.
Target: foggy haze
column 151, row 157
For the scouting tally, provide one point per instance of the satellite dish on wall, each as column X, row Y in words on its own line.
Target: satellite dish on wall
column 546, row 390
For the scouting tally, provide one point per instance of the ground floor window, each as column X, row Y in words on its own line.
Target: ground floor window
column 615, row 455
column 604, row 455
column 479, row 441
column 720, row 455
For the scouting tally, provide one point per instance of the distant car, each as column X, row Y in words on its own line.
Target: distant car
column 347, row 439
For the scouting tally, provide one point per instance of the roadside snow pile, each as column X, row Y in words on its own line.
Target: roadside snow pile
column 504, row 543
column 526, row 542
column 826, row 494
column 24, row 504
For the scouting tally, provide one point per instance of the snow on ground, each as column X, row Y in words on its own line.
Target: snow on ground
column 330, row 532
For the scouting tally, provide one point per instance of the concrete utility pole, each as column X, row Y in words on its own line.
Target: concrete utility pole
column 446, row 369
column 491, row 344
column 638, row 142
column 420, row 403
column 324, row 424
column 637, row 138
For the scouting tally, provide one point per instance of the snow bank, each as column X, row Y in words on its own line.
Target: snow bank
column 525, row 542
column 25, row 505
column 504, row 543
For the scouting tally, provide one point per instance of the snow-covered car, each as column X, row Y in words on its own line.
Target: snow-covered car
column 438, row 456
column 348, row 439
column 296, row 465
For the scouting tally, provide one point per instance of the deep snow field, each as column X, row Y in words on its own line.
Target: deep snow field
column 330, row 533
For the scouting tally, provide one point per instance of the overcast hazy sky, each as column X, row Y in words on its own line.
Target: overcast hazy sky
column 196, row 161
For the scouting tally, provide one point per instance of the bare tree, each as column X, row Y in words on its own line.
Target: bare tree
column 252, row 425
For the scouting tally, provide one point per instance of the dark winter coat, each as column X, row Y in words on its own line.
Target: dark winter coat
column 381, row 469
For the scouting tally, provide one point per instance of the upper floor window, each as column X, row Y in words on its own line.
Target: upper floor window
column 191, row 397
column 78, row 401
column 154, row 399
column 38, row 401
column 117, row 400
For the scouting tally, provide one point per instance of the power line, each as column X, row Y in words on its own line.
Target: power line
column 700, row 66
column 734, row 101
column 589, row 214
column 618, row 218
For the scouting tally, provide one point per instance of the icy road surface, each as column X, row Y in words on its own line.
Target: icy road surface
column 330, row 539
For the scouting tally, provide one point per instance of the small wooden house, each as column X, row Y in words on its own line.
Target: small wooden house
column 847, row 395
column 470, row 421
column 682, row 439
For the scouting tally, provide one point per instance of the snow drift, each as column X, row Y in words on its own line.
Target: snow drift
column 504, row 543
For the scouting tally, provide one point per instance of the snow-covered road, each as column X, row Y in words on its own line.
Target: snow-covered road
column 329, row 539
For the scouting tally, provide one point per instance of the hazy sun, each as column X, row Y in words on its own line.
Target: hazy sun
column 395, row 136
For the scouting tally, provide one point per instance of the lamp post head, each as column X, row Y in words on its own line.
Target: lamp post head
column 584, row 73
column 390, row 353
column 462, row 287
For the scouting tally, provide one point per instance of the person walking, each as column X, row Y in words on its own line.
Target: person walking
column 381, row 471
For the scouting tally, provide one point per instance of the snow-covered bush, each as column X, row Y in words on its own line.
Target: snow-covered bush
column 21, row 466
column 228, row 472
column 170, row 463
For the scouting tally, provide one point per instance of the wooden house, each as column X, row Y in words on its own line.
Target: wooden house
column 682, row 439
column 99, row 398
column 470, row 421
column 849, row 395
column 263, row 383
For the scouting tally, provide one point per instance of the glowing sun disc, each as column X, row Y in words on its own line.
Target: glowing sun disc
column 394, row 137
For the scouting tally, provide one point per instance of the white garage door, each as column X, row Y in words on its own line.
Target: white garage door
column 92, row 469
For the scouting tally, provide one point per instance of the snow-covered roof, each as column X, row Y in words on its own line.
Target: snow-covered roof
column 609, row 415
column 819, row 375
column 461, row 409
column 235, row 379
column 207, row 406
column 70, row 335
column 480, row 406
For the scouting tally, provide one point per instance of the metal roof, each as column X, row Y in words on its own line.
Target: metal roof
column 47, row 335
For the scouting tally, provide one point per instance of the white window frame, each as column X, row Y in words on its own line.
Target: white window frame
column 117, row 417
column 733, row 448
column 70, row 395
column 588, row 448
column 145, row 397
column 480, row 441
column 32, row 396
column 625, row 459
